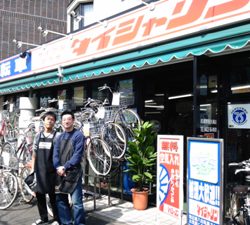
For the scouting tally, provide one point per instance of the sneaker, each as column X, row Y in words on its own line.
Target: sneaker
column 39, row 221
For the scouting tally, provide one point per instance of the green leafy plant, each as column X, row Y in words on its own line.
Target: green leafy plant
column 141, row 155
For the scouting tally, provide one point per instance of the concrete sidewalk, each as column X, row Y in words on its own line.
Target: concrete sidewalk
column 122, row 212
column 117, row 213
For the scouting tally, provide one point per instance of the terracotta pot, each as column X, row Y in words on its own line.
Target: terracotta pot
column 140, row 199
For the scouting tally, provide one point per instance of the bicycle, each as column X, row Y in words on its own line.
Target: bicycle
column 21, row 151
column 122, row 115
column 97, row 150
column 8, row 128
column 239, row 210
column 14, row 158
column 113, row 134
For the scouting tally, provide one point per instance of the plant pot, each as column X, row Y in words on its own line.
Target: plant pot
column 140, row 199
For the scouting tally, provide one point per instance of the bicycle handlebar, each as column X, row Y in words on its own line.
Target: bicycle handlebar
column 40, row 109
column 242, row 170
column 52, row 100
column 92, row 103
column 234, row 164
column 245, row 166
column 105, row 86
column 6, row 103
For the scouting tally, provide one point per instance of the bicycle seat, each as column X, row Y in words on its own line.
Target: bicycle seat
column 240, row 189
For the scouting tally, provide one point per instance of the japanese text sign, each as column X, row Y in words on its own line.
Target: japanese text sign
column 140, row 27
column 170, row 174
column 205, row 181
column 14, row 66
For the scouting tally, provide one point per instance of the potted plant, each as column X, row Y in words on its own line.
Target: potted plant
column 141, row 157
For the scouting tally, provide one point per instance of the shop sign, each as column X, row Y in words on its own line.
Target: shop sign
column 238, row 116
column 170, row 174
column 205, row 181
column 15, row 66
column 141, row 27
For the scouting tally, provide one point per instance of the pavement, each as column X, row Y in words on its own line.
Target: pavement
column 105, row 211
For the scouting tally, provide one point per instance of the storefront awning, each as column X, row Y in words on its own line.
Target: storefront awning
column 210, row 43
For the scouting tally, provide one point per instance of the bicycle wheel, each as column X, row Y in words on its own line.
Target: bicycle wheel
column 129, row 120
column 8, row 189
column 115, row 137
column 99, row 156
column 25, row 191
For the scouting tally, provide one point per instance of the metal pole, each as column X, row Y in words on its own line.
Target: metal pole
column 195, row 96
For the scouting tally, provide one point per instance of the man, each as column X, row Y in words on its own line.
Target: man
column 68, row 152
column 43, row 167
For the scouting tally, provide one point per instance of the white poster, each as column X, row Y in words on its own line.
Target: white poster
column 170, row 174
column 238, row 116
column 204, row 161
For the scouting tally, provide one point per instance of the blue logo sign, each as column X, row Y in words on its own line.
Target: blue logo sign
column 15, row 66
column 239, row 115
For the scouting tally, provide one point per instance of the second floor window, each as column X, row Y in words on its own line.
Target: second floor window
column 85, row 10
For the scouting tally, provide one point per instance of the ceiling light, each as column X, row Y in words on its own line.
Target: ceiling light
column 180, row 96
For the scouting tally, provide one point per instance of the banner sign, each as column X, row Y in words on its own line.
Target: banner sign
column 14, row 66
column 238, row 116
column 205, row 181
column 170, row 174
column 169, row 19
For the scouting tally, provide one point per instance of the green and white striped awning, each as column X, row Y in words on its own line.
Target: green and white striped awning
column 207, row 43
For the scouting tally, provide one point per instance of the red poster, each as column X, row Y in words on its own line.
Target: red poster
column 170, row 174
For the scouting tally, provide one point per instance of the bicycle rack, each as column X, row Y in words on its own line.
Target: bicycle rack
column 97, row 185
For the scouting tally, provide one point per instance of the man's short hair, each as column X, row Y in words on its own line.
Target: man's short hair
column 48, row 113
column 68, row 112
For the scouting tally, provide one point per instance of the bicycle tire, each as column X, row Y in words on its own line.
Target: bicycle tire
column 25, row 191
column 129, row 120
column 8, row 189
column 114, row 135
column 99, row 156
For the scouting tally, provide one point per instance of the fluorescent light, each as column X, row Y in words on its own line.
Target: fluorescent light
column 148, row 101
column 153, row 112
column 205, row 105
column 240, row 87
column 155, row 106
column 180, row 96
column 214, row 91
column 159, row 95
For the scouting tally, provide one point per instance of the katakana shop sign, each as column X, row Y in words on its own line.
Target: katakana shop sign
column 170, row 174
column 138, row 28
column 205, row 181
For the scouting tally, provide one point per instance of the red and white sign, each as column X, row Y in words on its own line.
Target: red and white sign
column 170, row 174
column 140, row 27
